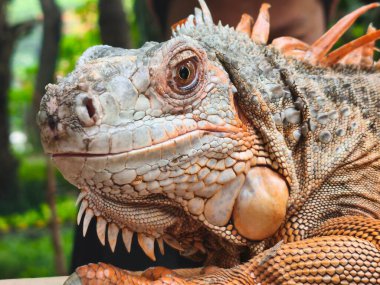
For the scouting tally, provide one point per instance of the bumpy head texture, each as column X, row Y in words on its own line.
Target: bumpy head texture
column 155, row 141
column 207, row 139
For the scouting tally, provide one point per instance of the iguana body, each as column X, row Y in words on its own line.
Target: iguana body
column 229, row 151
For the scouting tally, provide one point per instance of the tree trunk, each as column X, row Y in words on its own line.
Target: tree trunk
column 114, row 30
column 59, row 258
column 8, row 169
column 9, row 189
column 151, row 19
column 47, row 63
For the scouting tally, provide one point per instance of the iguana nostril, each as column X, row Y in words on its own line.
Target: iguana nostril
column 89, row 106
column 52, row 123
column 87, row 109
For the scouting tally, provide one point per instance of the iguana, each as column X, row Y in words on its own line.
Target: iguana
column 262, row 160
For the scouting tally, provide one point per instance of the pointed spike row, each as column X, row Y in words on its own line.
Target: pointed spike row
column 190, row 22
column 173, row 243
column 339, row 53
column 362, row 56
column 198, row 16
column 260, row 31
column 178, row 24
column 147, row 245
column 127, row 238
column 358, row 52
column 324, row 44
column 206, row 13
column 82, row 208
column 101, row 229
column 87, row 219
column 178, row 28
column 288, row 44
column 113, row 231
column 161, row 245
column 352, row 58
column 81, row 195
column 245, row 24
column 368, row 50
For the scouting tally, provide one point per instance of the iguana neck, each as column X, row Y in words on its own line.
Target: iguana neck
column 306, row 115
column 349, row 89
column 338, row 125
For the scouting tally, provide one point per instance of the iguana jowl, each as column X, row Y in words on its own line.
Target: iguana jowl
column 262, row 160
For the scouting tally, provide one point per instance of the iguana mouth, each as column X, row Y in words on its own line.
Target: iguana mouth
column 156, row 147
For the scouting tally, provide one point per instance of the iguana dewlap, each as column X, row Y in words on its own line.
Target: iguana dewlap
column 263, row 160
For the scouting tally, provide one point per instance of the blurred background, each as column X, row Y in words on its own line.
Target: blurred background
column 41, row 40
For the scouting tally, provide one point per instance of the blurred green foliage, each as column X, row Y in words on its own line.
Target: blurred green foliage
column 359, row 28
column 81, row 37
column 40, row 217
column 29, row 253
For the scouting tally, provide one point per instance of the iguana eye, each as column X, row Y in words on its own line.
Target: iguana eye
column 180, row 73
column 185, row 76
column 184, row 72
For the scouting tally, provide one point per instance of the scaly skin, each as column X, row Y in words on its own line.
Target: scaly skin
column 244, row 153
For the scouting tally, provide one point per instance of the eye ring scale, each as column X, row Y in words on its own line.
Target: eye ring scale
column 184, row 74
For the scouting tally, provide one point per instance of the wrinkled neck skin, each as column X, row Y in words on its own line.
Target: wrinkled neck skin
column 216, row 171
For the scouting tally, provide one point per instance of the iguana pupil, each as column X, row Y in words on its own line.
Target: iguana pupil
column 186, row 75
column 184, row 72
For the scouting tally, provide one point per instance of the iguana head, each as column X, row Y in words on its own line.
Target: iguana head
column 157, row 142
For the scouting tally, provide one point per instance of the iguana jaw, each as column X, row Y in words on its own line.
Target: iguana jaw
column 114, row 203
column 131, row 167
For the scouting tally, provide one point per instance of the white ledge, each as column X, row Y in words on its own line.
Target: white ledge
column 35, row 281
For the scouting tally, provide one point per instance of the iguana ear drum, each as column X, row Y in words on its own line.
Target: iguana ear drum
column 260, row 207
